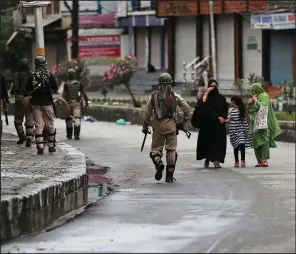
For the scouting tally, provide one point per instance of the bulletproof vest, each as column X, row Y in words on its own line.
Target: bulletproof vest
column 22, row 82
column 74, row 90
column 162, row 108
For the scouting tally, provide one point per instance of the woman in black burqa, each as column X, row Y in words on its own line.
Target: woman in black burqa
column 211, row 112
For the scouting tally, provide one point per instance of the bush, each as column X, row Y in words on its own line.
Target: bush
column 82, row 71
column 119, row 73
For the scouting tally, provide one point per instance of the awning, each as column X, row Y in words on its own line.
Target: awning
column 45, row 22
column 97, row 21
column 12, row 36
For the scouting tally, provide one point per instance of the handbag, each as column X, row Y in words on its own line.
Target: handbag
column 260, row 121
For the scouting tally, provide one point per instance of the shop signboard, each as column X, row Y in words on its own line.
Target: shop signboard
column 278, row 21
column 97, row 46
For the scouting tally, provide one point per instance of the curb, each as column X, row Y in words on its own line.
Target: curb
column 35, row 211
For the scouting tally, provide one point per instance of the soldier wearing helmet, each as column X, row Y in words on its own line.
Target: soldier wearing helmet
column 23, row 107
column 161, row 113
column 43, row 82
column 73, row 91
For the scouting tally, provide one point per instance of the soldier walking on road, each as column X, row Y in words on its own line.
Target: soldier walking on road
column 73, row 91
column 4, row 100
column 162, row 106
column 42, row 104
column 23, row 104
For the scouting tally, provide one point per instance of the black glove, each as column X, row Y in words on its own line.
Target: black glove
column 180, row 126
column 145, row 129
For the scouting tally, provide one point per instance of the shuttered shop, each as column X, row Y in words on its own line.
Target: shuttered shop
column 281, row 56
column 155, row 47
column 225, row 48
column 185, row 44
column 141, row 46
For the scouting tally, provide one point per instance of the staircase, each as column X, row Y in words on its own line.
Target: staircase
column 193, row 80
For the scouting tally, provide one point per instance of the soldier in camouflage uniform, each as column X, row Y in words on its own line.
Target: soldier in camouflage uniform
column 23, row 104
column 73, row 91
column 4, row 100
column 162, row 107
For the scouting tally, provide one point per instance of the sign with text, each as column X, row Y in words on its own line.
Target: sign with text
column 96, row 46
column 176, row 8
column 278, row 21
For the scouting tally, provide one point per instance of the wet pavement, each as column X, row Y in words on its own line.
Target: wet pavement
column 205, row 211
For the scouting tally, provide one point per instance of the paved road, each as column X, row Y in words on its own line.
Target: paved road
column 205, row 211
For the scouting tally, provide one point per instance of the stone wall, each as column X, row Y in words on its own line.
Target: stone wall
column 134, row 115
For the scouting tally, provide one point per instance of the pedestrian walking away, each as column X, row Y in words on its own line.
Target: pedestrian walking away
column 161, row 113
column 264, row 124
column 73, row 91
column 4, row 101
column 42, row 103
column 209, row 116
column 240, row 137
column 23, row 108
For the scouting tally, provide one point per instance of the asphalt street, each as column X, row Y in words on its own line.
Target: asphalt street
column 250, row 210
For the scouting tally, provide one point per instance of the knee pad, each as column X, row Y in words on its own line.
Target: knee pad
column 77, row 121
column 155, row 156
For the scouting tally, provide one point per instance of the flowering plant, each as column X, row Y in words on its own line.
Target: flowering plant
column 82, row 71
column 253, row 78
column 120, row 72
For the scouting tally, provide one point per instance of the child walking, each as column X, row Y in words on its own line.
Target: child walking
column 239, row 134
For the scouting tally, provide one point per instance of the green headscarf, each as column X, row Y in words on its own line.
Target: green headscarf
column 256, row 89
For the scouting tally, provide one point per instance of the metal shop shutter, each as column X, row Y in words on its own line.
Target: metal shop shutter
column 185, row 44
column 155, row 47
column 225, row 48
column 281, row 56
column 252, row 45
column 141, row 46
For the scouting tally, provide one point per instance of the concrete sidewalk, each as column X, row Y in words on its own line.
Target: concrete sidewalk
column 36, row 190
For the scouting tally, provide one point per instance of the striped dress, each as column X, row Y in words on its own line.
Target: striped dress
column 239, row 130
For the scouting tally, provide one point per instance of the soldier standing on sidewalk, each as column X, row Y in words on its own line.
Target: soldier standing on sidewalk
column 23, row 104
column 42, row 104
column 73, row 91
column 4, row 100
column 162, row 106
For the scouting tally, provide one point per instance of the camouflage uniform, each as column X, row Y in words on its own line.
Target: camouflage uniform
column 162, row 107
column 73, row 90
column 23, row 104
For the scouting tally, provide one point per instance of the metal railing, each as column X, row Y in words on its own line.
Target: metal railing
column 191, row 81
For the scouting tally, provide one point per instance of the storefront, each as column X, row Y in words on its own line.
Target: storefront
column 279, row 31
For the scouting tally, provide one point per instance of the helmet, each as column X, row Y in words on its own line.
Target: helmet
column 40, row 60
column 24, row 64
column 71, row 74
column 165, row 78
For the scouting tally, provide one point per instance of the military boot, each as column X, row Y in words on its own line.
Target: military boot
column 28, row 142
column 22, row 138
column 69, row 133
column 51, row 149
column 169, row 174
column 159, row 166
column 40, row 150
column 76, row 132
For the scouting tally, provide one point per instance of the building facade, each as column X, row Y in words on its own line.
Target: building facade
column 240, row 48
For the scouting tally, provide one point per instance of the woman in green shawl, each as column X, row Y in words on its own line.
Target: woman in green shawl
column 263, row 139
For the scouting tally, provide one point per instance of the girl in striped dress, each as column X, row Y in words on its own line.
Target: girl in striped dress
column 239, row 134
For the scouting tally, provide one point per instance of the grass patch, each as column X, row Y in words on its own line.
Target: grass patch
column 284, row 116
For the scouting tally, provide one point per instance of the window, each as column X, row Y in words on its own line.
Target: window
column 28, row 11
column 56, row 6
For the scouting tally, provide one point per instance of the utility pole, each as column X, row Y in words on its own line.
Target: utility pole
column 39, row 34
column 213, row 40
column 75, row 29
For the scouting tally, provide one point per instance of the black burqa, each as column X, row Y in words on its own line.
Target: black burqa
column 212, row 139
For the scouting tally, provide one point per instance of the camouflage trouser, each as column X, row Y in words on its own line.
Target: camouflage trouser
column 75, row 109
column 23, row 110
column 169, row 141
column 43, row 118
